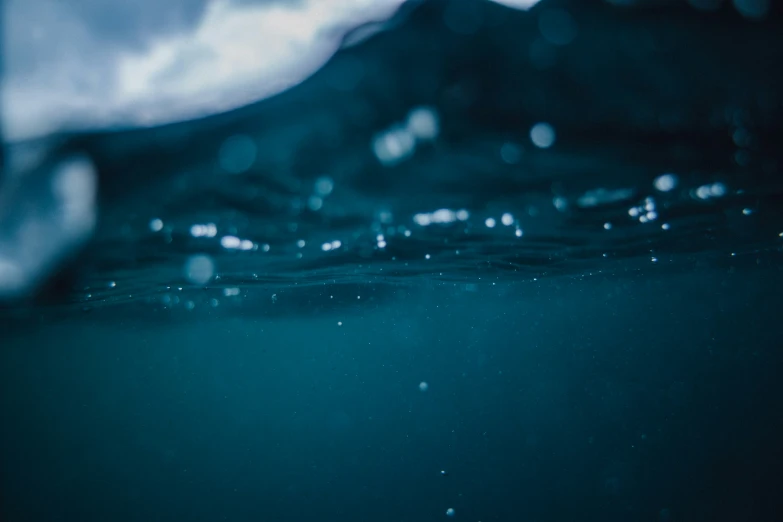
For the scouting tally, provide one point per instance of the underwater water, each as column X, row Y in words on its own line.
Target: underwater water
column 485, row 263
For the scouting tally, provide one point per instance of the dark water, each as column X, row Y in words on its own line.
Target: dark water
column 597, row 321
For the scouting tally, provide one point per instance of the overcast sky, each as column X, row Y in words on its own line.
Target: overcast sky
column 100, row 63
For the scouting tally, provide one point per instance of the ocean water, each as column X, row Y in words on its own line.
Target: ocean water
column 485, row 263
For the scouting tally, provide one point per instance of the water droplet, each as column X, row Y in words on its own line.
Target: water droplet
column 199, row 269
column 665, row 182
column 156, row 225
column 423, row 123
column 237, row 154
column 542, row 135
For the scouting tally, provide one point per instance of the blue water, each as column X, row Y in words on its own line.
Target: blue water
column 552, row 272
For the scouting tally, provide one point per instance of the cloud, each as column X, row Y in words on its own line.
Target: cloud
column 89, row 64
column 65, row 69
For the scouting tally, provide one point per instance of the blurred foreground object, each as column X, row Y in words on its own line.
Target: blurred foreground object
column 46, row 215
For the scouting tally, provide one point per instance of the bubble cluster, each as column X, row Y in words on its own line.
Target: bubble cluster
column 331, row 245
column 713, row 190
column 645, row 212
column 208, row 230
column 399, row 142
column 442, row 216
column 235, row 243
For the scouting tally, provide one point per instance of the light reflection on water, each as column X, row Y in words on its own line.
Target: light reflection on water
column 439, row 165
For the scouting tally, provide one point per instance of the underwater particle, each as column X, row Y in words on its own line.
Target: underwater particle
column 208, row 230
column 190, row 305
column 237, row 154
column 315, row 203
column 427, row 256
column 443, row 215
column 450, row 512
column 423, row 386
column 607, row 226
column 326, row 247
column 324, row 186
column 490, row 222
column 603, row 196
column 339, row 323
column 229, row 242
column 714, row 190
column 747, row 211
column 300, row 243
column 755, row 9
column 557, row 26
column 510, row 153
column 507, row 219
column 717, row 190
column 443, row 472
column 665, row 226
column 385, row 217
column 742, row 157
column 156, row 225
column 542, row 135
column 394, row 145
column 423, row 123
column 742, row 137
column 542, row 54
column 665, row 182
column 199, row 269
column 423, row 219
column 560, row 203
column 518, row 232
column 230, row 292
